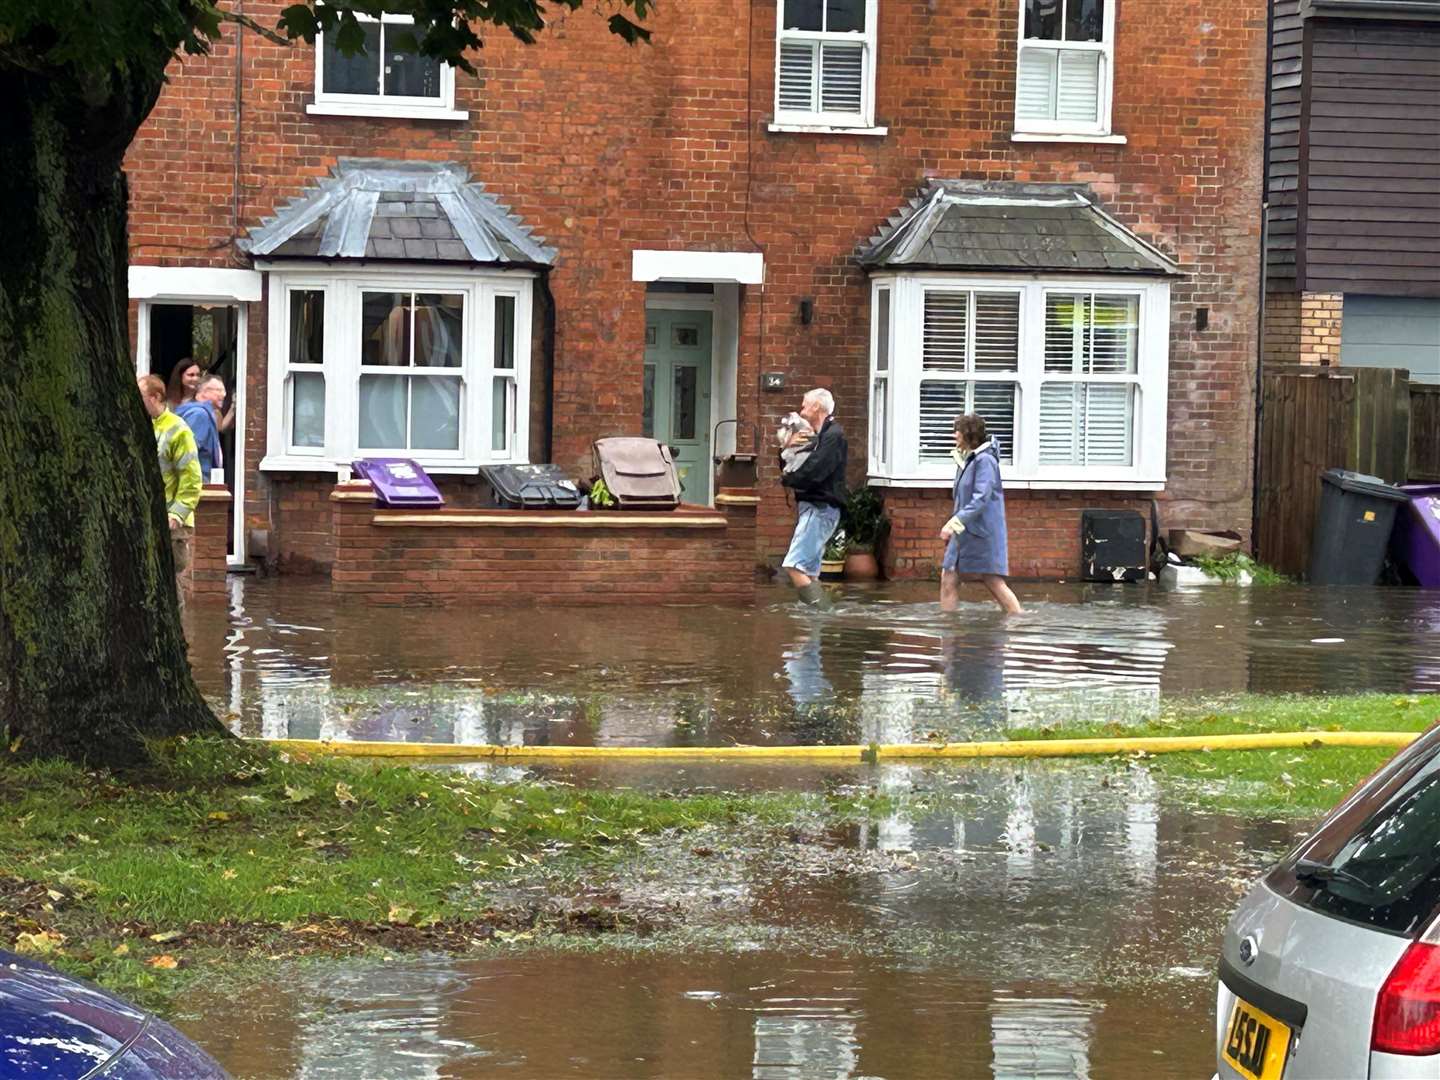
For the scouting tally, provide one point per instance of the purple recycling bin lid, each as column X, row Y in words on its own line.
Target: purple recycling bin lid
column 399, row 482
column 1417, row 534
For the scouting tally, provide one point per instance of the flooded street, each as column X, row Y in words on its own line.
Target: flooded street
column 1007, row 919
column 291, row 660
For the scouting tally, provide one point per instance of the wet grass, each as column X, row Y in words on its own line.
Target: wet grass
column 1289, row 783
column 233, row 850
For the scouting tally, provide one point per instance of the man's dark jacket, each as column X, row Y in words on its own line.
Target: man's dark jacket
column 821, row 476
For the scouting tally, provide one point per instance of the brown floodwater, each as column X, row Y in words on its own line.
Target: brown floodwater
column 1039, row 919
column 290, row 659
column 1008, row 920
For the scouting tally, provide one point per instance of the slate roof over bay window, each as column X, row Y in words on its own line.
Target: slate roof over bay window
column 1030, row 306
column 412, row 211
column 970, row 225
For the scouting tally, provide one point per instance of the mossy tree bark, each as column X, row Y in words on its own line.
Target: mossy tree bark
column 92, row 654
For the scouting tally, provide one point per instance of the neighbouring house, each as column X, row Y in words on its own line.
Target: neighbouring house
column 1044, row 211
column 1353, row 185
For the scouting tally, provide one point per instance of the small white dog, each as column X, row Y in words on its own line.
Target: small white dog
column 796, row 438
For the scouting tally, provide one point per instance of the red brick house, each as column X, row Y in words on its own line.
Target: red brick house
column 1042, row 210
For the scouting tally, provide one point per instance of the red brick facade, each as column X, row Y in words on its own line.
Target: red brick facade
column 606, row 149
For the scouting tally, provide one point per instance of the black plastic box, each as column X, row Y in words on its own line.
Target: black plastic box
column 530, row 487
column 1112, row 546
column 1352, row 528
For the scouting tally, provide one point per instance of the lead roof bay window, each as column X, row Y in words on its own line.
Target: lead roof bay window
column 1070, row 375
column 390, row 78
column 1065, row 67
column 825, row 63
column 433, row 367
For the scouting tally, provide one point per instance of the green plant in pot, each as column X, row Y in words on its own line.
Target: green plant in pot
column 832, row 560
column 864, row 523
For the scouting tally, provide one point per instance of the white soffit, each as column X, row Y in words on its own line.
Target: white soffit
column 195, row 283
column 741, row 267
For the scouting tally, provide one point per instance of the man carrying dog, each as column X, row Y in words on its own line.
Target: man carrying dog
column 819, row 487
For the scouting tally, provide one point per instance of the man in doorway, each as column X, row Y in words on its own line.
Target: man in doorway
column 180, row 470
column 202, row 416
column 819, row 487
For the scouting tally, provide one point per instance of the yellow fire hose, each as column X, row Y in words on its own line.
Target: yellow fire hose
column 856, row 753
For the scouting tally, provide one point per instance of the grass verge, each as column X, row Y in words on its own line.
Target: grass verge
column 234, row 850
column 1276, row 782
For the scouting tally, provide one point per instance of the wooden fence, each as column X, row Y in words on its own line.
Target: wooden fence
column 1424, row 434
column 1317, row 418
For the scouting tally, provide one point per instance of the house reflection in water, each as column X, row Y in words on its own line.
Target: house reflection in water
column 1041, row 1038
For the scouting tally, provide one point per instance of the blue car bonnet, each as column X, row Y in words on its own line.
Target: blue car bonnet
column 53, row 1026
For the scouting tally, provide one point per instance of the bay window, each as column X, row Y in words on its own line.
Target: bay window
column 432, row 366
column 1064, row 69
column 1070, row 376
column 825, row 63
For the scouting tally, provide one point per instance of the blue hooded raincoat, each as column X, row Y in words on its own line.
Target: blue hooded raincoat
column 980, row 506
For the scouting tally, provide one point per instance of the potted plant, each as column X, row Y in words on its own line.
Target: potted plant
column 832, row 561
column 863, row 523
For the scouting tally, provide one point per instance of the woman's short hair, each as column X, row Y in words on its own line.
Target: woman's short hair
column 971, row 428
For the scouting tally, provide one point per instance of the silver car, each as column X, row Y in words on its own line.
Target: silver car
column 1331, row 966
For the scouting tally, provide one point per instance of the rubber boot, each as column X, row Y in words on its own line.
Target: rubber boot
column 815, row 596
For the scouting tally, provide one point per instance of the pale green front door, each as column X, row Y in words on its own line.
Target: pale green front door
column 677, row 393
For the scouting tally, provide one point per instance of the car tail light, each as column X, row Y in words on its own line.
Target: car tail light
column 1407, row 1014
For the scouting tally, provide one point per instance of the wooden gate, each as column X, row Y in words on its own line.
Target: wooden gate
column 1425, row 434
column 1317, row 418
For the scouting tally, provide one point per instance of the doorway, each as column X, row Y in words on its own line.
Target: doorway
column 213, row 336
column 677, row 392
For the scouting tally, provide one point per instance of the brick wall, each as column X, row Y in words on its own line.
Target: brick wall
column 208, row 558
column 1303, row 327
column 450, row 556
column 1043, row 529
column 605, row 148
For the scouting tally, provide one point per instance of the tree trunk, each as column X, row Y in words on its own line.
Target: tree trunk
column 92, row 654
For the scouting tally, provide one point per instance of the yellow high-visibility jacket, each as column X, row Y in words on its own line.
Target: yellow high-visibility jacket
column 179, row 466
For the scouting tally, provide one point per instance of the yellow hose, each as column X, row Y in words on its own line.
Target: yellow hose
column 1164, row 744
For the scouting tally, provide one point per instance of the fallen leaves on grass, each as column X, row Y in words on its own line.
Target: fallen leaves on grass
column 163, row 962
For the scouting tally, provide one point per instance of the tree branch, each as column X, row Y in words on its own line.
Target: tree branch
column 250, row 24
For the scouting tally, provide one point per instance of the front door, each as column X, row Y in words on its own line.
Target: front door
column 677, row 393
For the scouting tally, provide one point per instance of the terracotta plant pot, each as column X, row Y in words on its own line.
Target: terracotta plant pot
column 832, row 569
column 861, row 566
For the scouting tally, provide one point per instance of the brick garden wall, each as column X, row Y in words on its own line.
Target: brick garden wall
column 605, row 148
column 1303, row 327
column 500, row 557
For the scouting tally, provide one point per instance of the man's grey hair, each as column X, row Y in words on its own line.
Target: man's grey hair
column 822, row 397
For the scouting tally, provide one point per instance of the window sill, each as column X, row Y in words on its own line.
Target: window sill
column 1057, row 137
column 934, row 483
column 826, row 129
column 381, row 111
column 281, row 464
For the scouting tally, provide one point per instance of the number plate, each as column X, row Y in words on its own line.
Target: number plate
column 1256, row 1043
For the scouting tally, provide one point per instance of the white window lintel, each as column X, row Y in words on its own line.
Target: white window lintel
column 740, row 267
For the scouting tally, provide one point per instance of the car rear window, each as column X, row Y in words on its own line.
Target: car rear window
column 1376, row 859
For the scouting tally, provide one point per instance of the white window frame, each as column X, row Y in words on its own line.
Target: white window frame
column 342, row 366
column 381, row 104
column 898, row 464
column 818, row 120
column 1105, row 47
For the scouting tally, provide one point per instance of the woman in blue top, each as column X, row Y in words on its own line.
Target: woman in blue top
column 976, row 531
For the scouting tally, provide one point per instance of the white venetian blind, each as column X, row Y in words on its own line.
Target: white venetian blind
column 1060, row 85
column 822, row 77
column 968, row 333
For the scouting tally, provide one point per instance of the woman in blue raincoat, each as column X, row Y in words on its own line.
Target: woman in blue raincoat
column 976, row 548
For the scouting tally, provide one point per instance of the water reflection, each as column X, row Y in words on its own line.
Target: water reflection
column 1007, row 921
column 294, row 660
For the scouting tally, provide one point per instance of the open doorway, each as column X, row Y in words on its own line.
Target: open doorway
column 212, row 336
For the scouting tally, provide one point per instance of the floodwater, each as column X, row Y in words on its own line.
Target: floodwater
column 1010, row 919
column 293, row 660
column 1041, row 919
